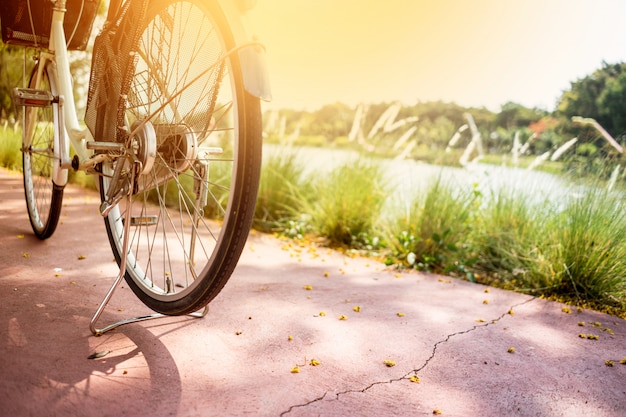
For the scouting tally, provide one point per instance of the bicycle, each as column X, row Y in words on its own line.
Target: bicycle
column 173, row 135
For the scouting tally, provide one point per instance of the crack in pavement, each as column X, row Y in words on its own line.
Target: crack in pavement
column 414, row 371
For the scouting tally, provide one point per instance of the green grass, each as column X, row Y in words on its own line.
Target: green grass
column 432, row 233
column 10, row 144
column 510, row 239
column 590, row 249
column 347, row 203
column 284, row 191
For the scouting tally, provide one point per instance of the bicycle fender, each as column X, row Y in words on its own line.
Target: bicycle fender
column 252, row 58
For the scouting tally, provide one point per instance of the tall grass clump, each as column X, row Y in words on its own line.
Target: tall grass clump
column 347, row 204
column 510, row 241
column 433, row 233
column 10, row 145
column 284, row 192
column 589, row 255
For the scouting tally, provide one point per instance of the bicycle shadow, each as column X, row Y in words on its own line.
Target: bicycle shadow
column 44, row 321
column 44, row 349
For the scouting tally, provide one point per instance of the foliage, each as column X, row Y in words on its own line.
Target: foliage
column 600, row 96
column 348, row 202
column 612, row 102
column 513, row 115
column 10, row 144
column 11, row 62
column 283, row 194
column 432, row 234
column 590, row 246
column 510, row 239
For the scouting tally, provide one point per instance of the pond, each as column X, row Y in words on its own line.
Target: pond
column 406, row 178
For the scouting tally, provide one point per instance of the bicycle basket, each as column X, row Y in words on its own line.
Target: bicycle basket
column 27, row 22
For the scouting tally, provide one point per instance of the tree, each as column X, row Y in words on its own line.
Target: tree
column 600, row 96
column 513, row 115
column 612, row 103
column 11, row 62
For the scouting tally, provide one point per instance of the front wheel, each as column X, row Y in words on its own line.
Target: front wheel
column 43, row 197
column 197, row 135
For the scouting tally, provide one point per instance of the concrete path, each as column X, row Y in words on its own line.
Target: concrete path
column 457, row 348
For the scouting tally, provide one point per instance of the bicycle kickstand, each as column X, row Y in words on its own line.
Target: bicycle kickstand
column 120, row 277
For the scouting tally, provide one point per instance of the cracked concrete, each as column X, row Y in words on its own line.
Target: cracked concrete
column 456, row 337
column 414, row 372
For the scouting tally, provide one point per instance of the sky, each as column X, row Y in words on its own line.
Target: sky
column 480, row 53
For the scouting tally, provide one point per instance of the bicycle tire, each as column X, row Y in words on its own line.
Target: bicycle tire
column 44, row 198
column 181, row 250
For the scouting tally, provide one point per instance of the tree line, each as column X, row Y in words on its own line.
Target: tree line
column 600, row 96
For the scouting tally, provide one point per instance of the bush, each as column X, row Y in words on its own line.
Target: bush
column 10, row 145
column 510, row 241
column 283, row 193
column 588, row 257
column 348, row 202
column 433, row 234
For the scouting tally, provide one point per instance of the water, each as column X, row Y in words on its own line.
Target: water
column 407, row 178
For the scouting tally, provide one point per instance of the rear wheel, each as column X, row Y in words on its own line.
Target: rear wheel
column 196, row 134
column 43, row 197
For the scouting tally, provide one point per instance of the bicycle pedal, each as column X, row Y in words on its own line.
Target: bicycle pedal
column 32, row 97
column 143, row 220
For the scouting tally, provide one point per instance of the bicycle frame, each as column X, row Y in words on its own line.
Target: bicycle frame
column 70, row 132
column 69, row 129
column 130, row 160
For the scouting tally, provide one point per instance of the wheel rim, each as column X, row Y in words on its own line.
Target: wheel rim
column 38, row 160
column 183, row 203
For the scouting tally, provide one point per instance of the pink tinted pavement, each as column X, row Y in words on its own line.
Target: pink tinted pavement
column 455, row 336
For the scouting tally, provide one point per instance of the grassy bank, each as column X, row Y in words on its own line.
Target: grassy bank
column 572, row 249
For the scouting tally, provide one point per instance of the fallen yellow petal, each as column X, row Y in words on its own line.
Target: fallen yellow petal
column 356, row 309
column 308, row 287
column 342, row 317
column 400, row 314
column 389, row 363
column 314, row 362
column 415, row 378
column 295, row 370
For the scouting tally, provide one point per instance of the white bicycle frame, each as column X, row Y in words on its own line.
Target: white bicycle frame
column 67, row 126
column 70, row 132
